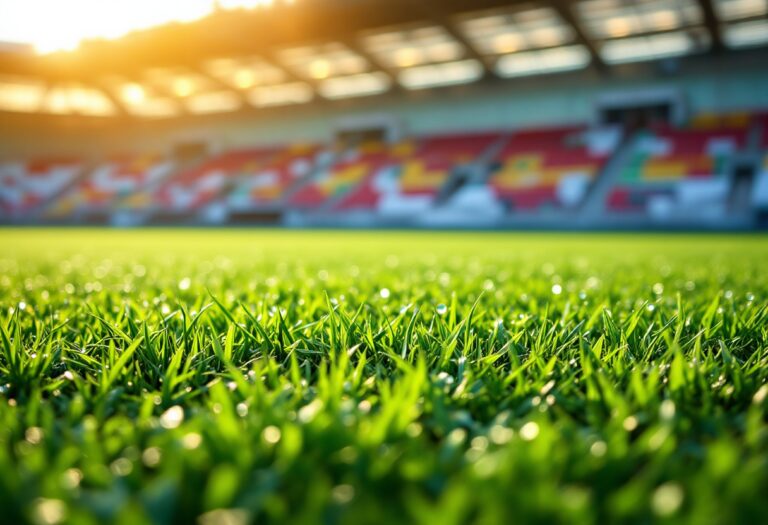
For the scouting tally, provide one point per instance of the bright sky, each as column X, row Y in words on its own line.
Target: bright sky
column 53, row 25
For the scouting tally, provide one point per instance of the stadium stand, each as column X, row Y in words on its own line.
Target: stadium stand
column 190, row 191
column 759, row 197
column 100, row 191
column 415, row 173
column 585, row 113
column 760, row 190
column 349, row 177
column 27, row 186
column 266, row 185
column 493, row 176
column 678, row 168
column 551, row 167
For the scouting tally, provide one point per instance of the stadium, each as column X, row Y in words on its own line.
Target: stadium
column 383, row 261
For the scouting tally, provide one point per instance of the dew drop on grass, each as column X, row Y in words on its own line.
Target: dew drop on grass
column 547, row 387
column 760, row 395
column 442, row 309
column 384, row 293
column 456, row 437
column 71, row 478
column 151, row 456
column 191, row 441
column 33, row 435
column 185, row 283
column 630, row 423
column 225, row 517
column 479, row 443
column 413, row 429
column 50, row 511
column 557, row 289
column 667, row 409
column 598, row 449
column 121, row 467
column 500, row 434
column 172, row 417
column 271, row 434
column 343, row 494
column 667, row 499
column 529, row 431
column 308, row 412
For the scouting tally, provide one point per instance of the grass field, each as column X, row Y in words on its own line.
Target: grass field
column 231, row 377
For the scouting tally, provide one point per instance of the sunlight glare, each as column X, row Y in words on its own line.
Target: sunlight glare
column 57, row 25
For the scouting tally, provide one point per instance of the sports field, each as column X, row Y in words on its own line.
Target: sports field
column 232, row 377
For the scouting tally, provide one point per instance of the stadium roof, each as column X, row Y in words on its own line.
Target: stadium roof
column 302, row 50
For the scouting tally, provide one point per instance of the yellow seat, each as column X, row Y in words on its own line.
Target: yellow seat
column 660, row 169
column 403, row 149
column 416, row 176
column 267, row 192
column 342, row 178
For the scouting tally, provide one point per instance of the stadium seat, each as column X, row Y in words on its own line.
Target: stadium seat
column 551, row 167
column 416, row 172
column 192, row 189
column 266, row 185
column 25, row 187
column 759, row 198
column 717, row 121
column 349, row 179
column 690, row 164
column 428, row 169
column 101, row 189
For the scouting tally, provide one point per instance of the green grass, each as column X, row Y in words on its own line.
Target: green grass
column 229, row 377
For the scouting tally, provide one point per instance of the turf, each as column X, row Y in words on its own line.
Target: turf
column 230, row 377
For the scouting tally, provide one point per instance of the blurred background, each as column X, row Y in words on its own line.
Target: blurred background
column 586, row 114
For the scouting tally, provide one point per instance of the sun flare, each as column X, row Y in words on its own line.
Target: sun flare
column 52, row 25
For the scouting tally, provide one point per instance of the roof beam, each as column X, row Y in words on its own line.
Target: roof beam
column 222, row 85
column 435, row 12
column 565, row 10
column 119, row 107
column 712, row 24
column 271, row 57
column 375, row 64
column 221, row 34
column 168, row 93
